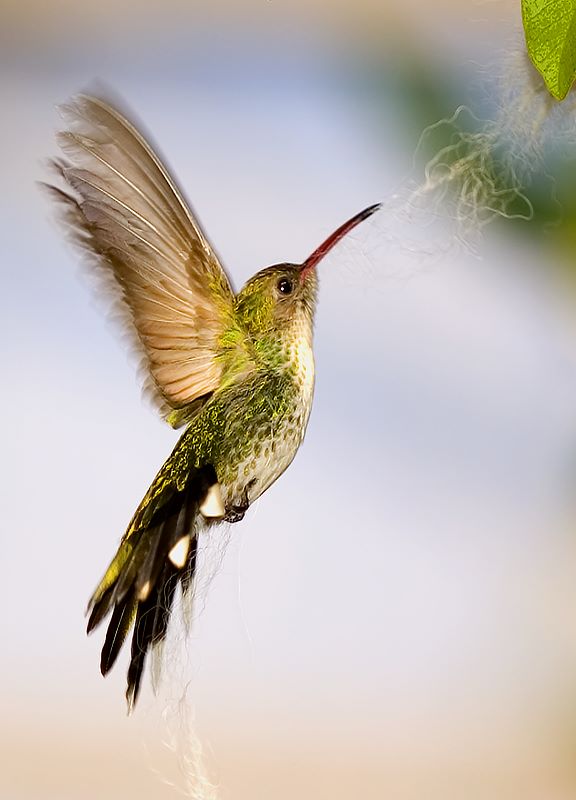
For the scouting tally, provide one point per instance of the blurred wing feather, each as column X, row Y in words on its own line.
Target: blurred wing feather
column 124, row 208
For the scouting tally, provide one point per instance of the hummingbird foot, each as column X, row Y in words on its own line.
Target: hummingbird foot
column 236, row 512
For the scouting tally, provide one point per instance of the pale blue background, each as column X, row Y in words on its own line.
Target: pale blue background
column 396, row 615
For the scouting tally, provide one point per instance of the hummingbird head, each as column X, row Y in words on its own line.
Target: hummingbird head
column 278, row 298
column 283, row 296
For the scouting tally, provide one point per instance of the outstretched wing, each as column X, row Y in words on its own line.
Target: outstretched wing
column 127, row 212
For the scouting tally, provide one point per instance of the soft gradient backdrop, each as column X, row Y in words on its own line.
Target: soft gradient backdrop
column 396, row 616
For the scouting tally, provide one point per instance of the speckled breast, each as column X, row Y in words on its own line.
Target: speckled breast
column 271, row 437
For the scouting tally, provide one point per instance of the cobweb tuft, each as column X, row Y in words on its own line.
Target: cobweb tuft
column 471, row 177
column 181, row 740
column 480, row 169
column 175, row 662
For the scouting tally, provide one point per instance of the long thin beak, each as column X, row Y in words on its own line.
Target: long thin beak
column 334, row 238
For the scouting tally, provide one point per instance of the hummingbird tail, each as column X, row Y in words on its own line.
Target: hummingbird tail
column 157, row 553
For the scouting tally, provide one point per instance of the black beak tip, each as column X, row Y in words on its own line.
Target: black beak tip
column 370, row 210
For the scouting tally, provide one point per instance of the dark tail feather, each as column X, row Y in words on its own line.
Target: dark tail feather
column 99, row 611
column 141, row 582
column 187, row 576
column 120, row 624
column 150, row 628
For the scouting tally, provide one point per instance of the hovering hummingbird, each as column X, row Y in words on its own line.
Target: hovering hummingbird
column 237, row 369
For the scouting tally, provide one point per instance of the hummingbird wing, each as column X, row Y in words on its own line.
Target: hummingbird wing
column 124, row 208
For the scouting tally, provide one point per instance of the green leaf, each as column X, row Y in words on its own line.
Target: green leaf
column 550, row 28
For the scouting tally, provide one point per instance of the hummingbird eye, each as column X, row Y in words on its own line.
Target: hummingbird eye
column 285, row 286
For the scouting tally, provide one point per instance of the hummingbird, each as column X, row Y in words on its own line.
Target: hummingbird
column 235, row 370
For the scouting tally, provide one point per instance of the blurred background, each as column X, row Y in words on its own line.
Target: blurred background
column 396, row 616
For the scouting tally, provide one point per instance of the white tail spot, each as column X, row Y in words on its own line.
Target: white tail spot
column 179, row 552
column 212, row 505
column 144, row 592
